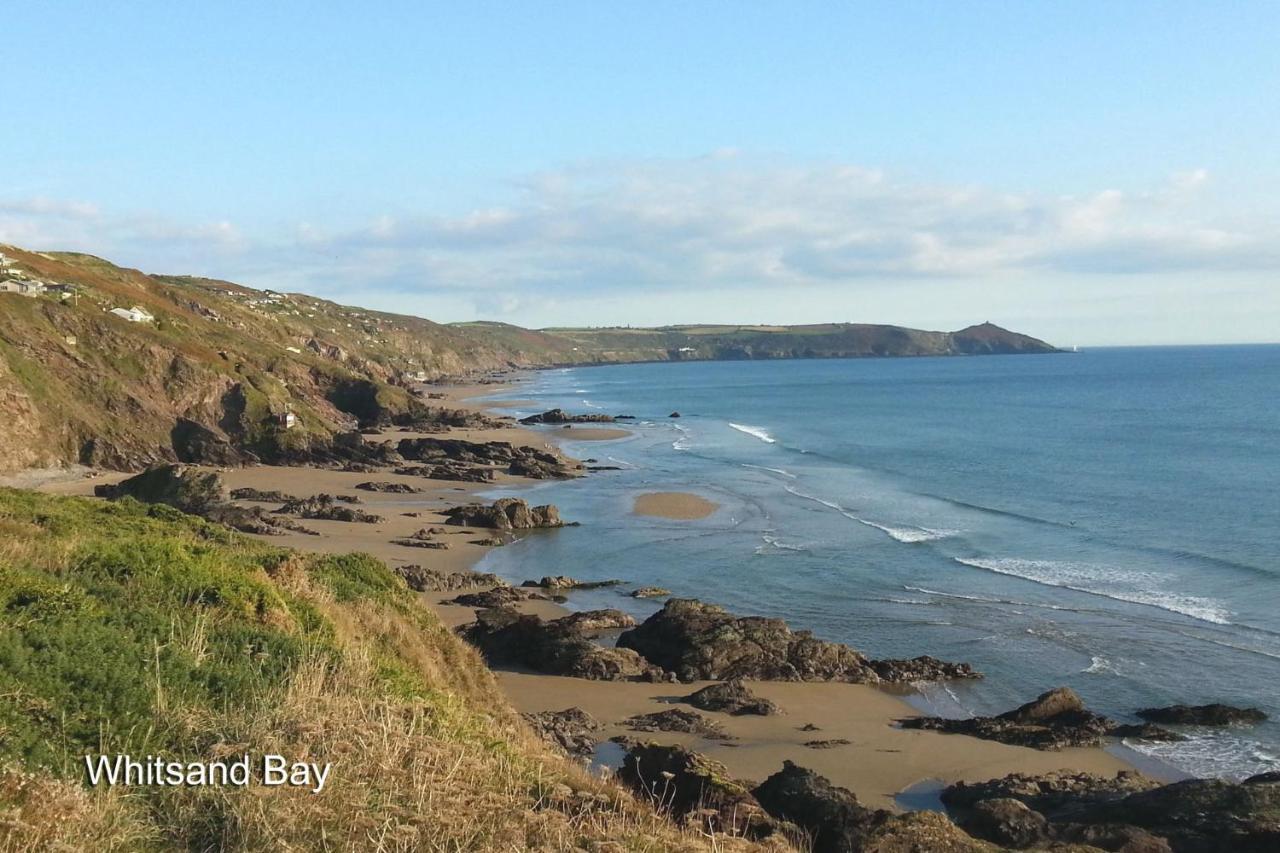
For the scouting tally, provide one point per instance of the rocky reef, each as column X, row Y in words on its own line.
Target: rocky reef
column 555, row 647
column 504, row 514
column 698, row 641
column 1053, row 720
column 560, row 416
column 731, row 697
column 1126, row 812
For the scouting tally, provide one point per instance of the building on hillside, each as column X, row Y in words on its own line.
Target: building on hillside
column 287, row 420
column 22, row 287
column 134, row 314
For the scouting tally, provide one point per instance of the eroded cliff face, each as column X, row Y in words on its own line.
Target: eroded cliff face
column 215, row 369
column 218, row 364
column 21, row 430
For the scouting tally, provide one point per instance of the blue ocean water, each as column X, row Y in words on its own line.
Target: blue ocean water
column 1107, row 520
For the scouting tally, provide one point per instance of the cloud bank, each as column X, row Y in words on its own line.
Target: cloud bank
column 725, row 223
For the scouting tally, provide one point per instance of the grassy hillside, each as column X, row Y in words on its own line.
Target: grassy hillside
column 137, row 629
column 826, row 340
column 79, row 384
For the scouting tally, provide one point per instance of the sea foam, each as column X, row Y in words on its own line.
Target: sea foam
column 755, row 432
column 908, row 535
column 1116, row 584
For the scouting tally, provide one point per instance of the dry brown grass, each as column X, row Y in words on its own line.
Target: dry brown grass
column 427, row 755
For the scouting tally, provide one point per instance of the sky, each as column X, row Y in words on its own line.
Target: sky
column 1089, row 173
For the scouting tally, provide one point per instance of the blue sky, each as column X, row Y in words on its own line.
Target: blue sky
column 1088, row 172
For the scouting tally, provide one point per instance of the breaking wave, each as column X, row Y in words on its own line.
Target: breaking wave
column 1130, row 587
column 755, row 432
column 782, row 472
column 814, row 498
column 681, row 443
column 773, row 543
column 908, row 535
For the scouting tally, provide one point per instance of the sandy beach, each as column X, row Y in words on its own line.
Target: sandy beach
column 681, row 506
column 878, row 761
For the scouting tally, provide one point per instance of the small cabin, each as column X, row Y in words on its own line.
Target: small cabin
column 134, row 314
column 286, row 420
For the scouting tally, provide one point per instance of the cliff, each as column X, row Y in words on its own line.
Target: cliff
column 213, row 368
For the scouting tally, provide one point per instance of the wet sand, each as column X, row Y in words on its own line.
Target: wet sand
column 578, row 433
column 879, row 762
column 681, row 506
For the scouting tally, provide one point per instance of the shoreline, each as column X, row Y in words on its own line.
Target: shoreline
column 879, row 760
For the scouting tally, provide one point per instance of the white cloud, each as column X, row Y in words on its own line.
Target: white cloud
column 656, row 231
column 727, row 221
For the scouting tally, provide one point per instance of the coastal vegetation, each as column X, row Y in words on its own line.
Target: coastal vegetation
column 211, row 371
column 137, row 629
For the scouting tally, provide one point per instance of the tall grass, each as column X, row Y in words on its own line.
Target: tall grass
column 125, row 628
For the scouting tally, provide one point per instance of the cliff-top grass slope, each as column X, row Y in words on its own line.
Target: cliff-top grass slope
column 215, row 363
column 136, row 629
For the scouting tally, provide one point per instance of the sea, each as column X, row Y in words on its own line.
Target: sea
column 1108, row 520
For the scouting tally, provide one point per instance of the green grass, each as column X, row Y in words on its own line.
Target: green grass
column 110, row 609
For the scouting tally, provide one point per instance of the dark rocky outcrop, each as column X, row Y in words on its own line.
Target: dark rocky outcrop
column 441, row 419
column 1202, row 715
column 521, row 461
column 700, row 641
column 1198, row 815
column 593, row 622
column 389, row 488
column 1050, row 793
column 501, row 596
column 1006, row 822
column 1056, row 719
column 731, row 697
column 504, row 514
column 695, row 789
column 254, row 520
column 197, row 492
column 251, row 494
column 829, row 743
column 563, row 582
column 196, row 443
column 922, row 668
column 326, row 508
column 560, row 416
column 837, row 823
column 504, row 636
column 1125, row 813
column 571, row 730
column 452, row 471
column 180, row 486
column 423, row 579
column 414, row 542
column 649, row 592
column 678, row 720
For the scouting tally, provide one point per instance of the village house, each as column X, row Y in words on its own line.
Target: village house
column 22, row 287
column 134, row 314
